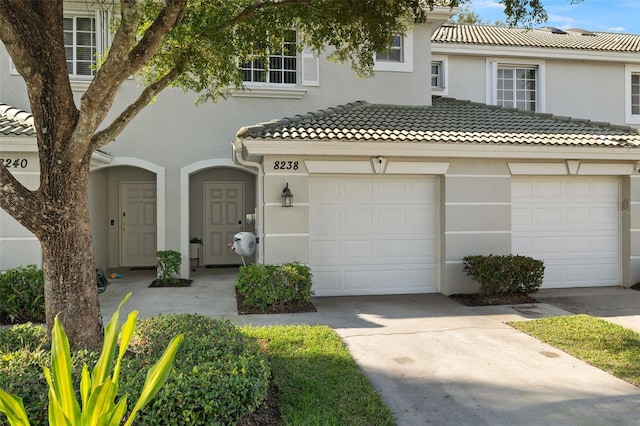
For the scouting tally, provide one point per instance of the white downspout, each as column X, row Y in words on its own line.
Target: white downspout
column 238, row 156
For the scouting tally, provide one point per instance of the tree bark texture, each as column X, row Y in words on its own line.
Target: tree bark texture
column 68, row 264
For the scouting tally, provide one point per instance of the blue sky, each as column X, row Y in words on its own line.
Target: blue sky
column 620, row 16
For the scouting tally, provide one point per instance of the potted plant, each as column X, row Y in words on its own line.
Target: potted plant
column 194, row 248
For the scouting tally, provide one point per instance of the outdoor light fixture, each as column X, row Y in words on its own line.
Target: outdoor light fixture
column 287, row 197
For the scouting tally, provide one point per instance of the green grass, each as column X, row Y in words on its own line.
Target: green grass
column 319, row 382
column 608, row 346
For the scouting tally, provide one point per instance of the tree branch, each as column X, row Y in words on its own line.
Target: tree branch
column 124, row 60
column 108, row 134
column 248, row 12
column 23, row 205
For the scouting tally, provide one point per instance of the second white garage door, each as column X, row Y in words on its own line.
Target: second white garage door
column 373, row 235
column 572, row 224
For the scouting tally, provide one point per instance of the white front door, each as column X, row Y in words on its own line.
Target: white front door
column 223, row 218
column 373, row 235
column 571, row 223
column 137, row 224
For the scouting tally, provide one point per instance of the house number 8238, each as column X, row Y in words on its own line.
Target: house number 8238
column 285, row 165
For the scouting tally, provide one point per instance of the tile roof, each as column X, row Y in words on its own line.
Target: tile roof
column 447, row 121
column 15, row 122
column 546, row 37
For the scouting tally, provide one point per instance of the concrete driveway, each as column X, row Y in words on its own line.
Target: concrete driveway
column 435, row 361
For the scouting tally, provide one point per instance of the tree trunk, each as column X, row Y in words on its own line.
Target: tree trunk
column 69, row 270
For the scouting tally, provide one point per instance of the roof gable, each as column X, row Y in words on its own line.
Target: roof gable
column 576, row 39
column 446, row 121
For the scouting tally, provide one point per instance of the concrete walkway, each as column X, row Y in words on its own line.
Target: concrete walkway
column 435, row 361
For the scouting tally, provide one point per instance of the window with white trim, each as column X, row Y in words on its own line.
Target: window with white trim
column 439, row 75
column 635, row 94
column 518, row 86
column 80, row 45
column 395, row 53
column 399, row 56
column 632, row 94
column 282, row 66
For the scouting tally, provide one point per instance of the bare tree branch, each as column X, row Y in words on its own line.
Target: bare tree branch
column 124, row 59
column 24, row 205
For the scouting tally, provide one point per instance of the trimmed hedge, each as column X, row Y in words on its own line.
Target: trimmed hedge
column 263, row 286
column 505, row 274
column 219, row 375
column 22, row 295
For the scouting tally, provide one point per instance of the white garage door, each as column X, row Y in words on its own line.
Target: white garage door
column 373, row 235
column 572, row 224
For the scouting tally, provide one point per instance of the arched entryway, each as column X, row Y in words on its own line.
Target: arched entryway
column 216, row 197
column 127, row 205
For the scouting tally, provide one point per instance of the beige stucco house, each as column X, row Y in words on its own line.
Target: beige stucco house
column 389, row 193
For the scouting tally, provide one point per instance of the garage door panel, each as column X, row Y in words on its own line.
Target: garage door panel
column 567, row 223
column 382, row 231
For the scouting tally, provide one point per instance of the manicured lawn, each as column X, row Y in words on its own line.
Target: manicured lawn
column 608, row 346
column 319, row 382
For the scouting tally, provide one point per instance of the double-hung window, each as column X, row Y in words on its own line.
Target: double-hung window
column 80, row 45
column 395, row 53
column 632, row 94
column 281, row 67
column 398, row 57
column 516, row 86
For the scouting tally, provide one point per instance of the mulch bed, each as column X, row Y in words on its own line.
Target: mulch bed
column 289, row 308
column 268, row 414
column 494, row 299
column 181, row 283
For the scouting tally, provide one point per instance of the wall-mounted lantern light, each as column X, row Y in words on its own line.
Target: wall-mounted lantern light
column 287, row 197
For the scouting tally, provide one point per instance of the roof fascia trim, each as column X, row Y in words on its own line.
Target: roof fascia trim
column 430, row 150
column 533, row 52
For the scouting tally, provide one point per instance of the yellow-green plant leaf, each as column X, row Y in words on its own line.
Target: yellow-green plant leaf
column 156, row 376
column 56, row 413
column 100, row 403
column 61, row 371
column 118, row 413
column 101, row 370
column 85, row 387
column 13, row 407
column 125, row 338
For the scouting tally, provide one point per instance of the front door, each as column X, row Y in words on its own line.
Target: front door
column 223, row 218
column 137, row 224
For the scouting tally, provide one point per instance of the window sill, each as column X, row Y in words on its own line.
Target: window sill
column 78, row 85
column 269, row 92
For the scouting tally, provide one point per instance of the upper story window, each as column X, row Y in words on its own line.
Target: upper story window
column 80, row 45
column 635, row 94
column 399, row 56
column 282, row 66
column 437, row 75
column 518, row 86
column 632, row 94
column 395, row 53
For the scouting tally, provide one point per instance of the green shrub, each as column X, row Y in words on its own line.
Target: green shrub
column 219, row 376
column 262, row 286
column 98, row 403
column 22, row 295
column 22, row 337
column 168, row 266
column 505, row 274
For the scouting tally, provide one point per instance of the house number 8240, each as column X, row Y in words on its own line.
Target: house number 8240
column 14, row 163
column 285, row 165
